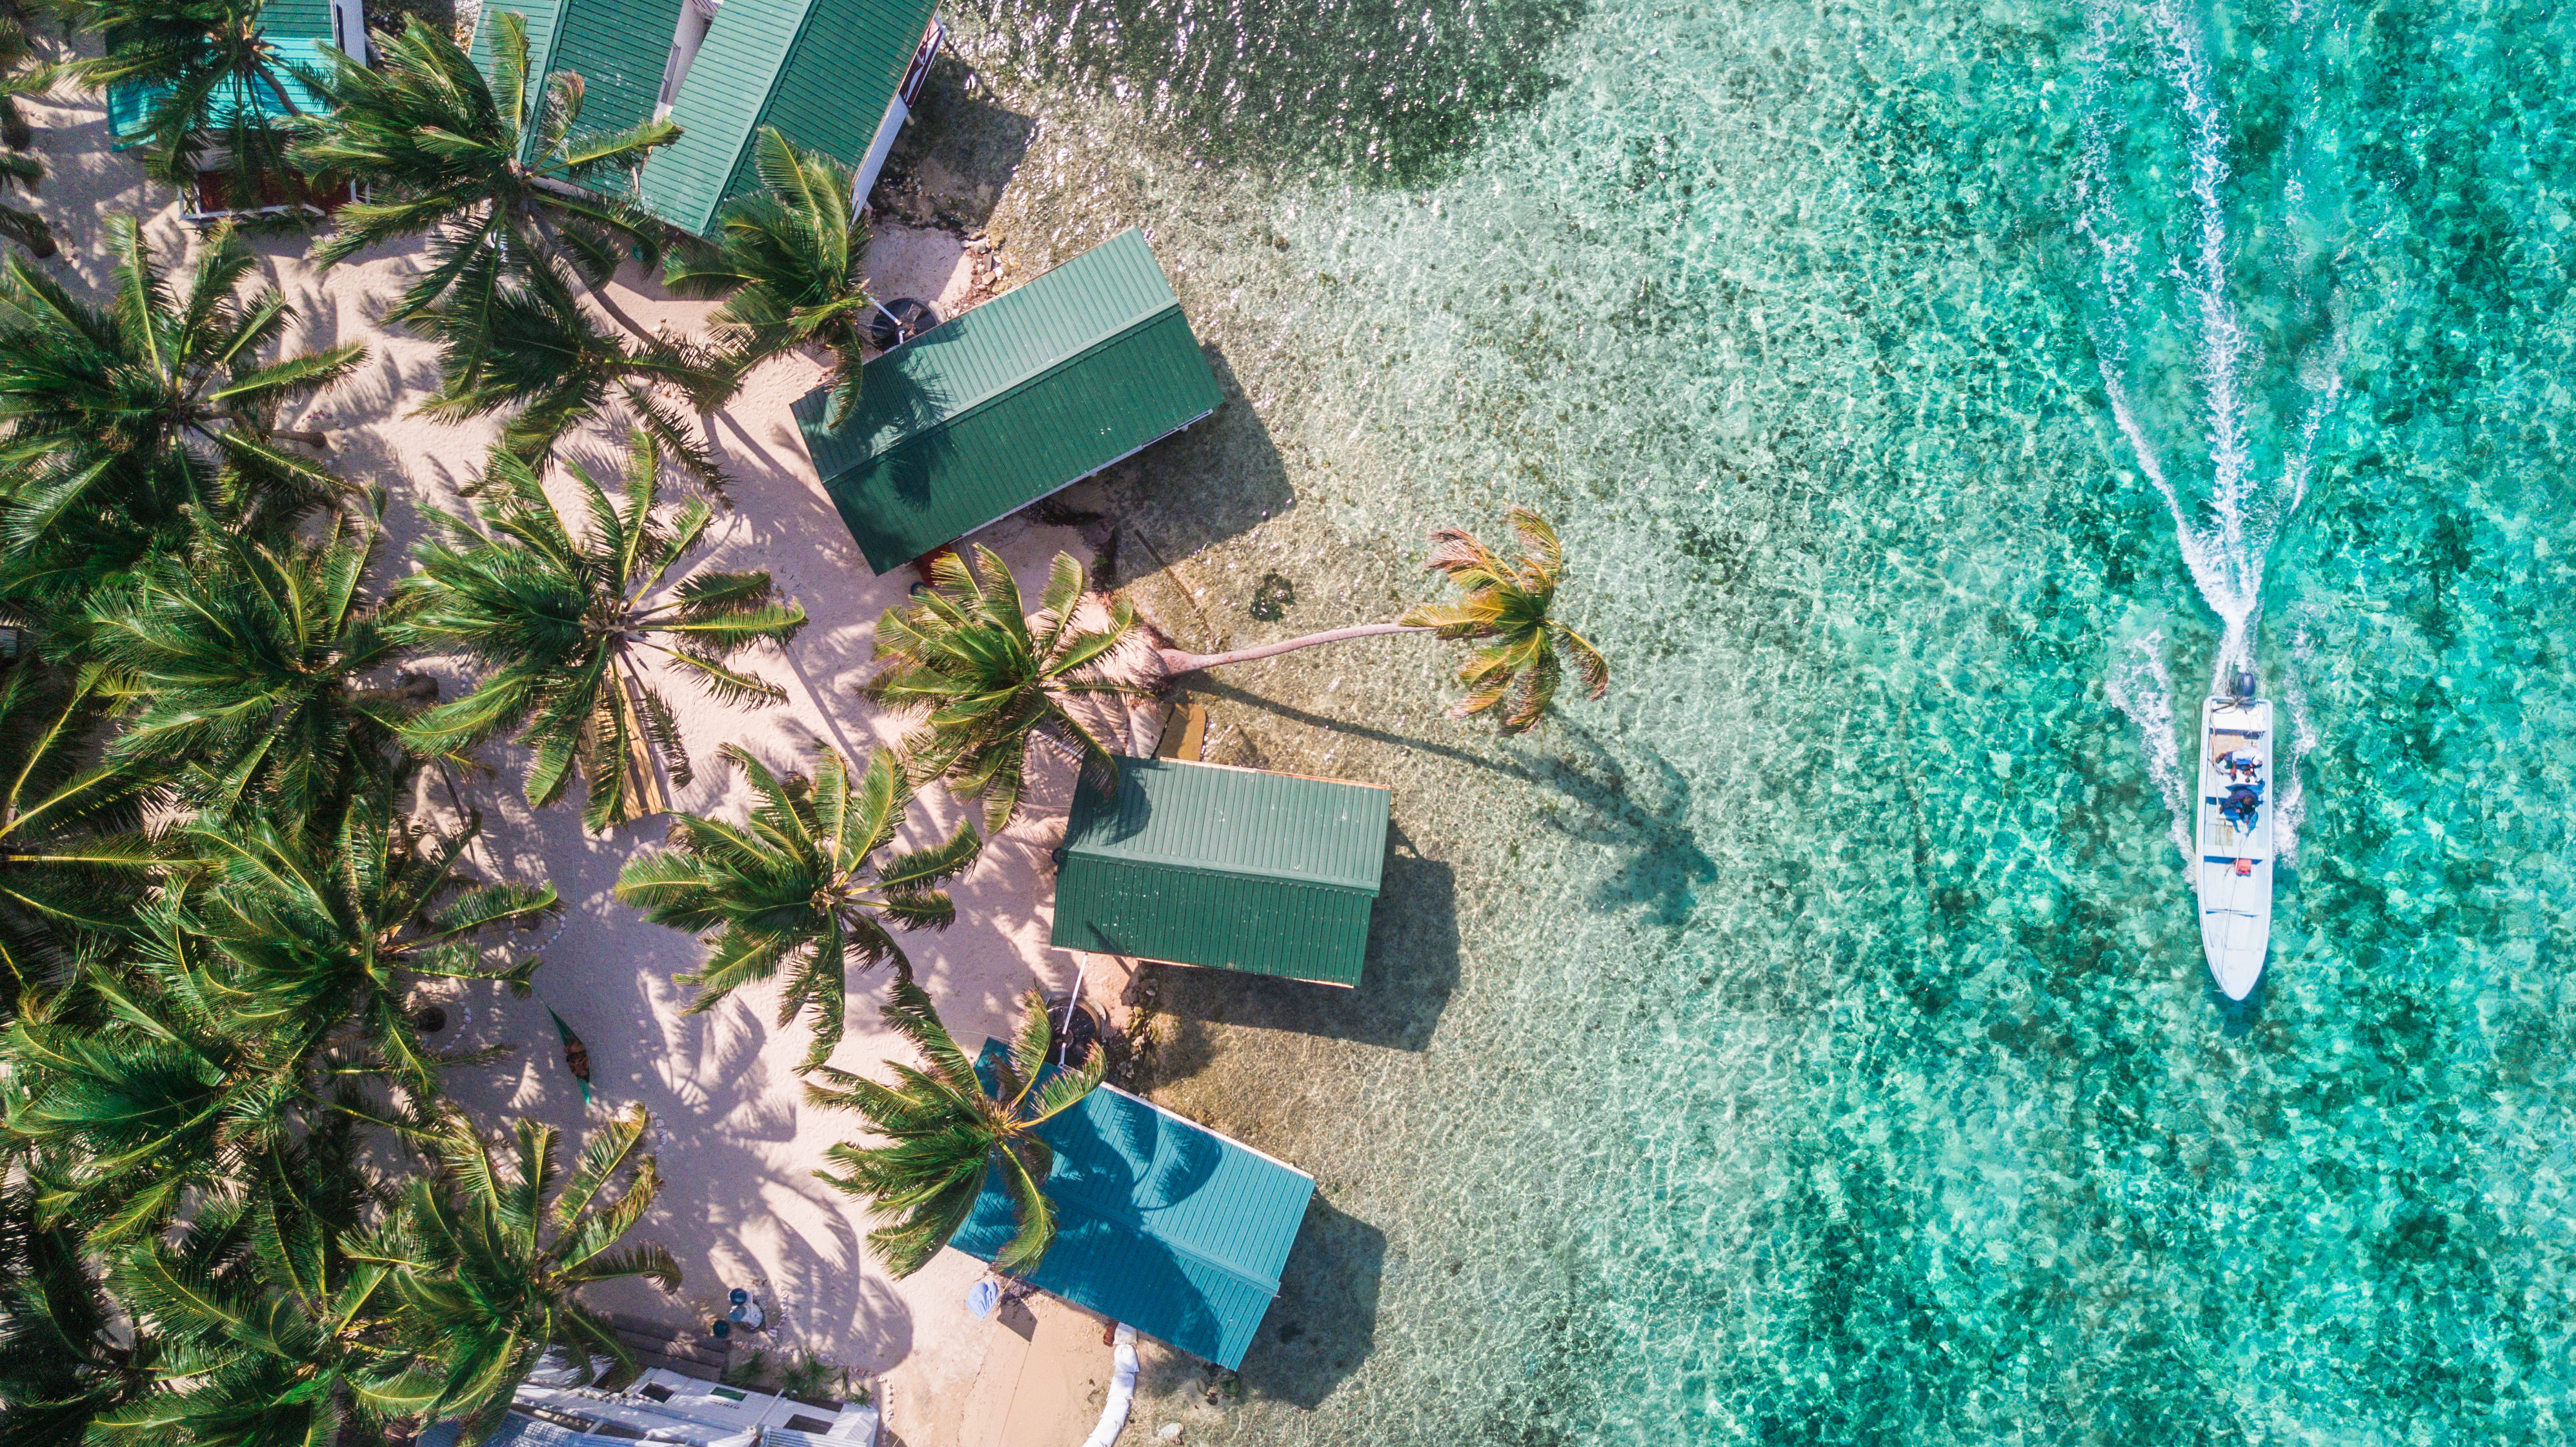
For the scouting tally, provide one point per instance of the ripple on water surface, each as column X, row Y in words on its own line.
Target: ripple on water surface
column 1811, row 1042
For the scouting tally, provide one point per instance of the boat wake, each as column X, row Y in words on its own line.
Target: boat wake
column 2179, row 360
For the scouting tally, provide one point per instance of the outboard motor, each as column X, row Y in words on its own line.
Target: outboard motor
column 2245, row 686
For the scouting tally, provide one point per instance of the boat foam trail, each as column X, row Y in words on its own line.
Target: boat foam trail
column 2225, row 536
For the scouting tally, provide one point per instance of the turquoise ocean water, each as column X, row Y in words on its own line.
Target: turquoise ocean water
column 1810, row 1043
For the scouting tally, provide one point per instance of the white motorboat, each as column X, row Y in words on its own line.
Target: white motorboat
column 2234, row 853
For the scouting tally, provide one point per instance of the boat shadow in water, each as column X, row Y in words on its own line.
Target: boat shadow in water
column 1324, row 1323
column 1411, row 971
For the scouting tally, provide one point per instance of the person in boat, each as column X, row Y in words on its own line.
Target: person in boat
column 2242, row 804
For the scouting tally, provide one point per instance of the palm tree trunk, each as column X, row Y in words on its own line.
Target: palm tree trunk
column 1175, row 662
column 309, row 439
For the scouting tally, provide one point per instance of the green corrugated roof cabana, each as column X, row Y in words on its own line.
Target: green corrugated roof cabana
column 619, row 48
column 822, row 71
column 1030, row 392
column 1161, row 1223
column 1240, row 869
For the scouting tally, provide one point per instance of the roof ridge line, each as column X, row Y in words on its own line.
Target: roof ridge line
column 1082, row 353
column 1186, row 867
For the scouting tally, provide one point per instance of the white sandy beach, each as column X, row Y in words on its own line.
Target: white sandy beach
column 736, row 1143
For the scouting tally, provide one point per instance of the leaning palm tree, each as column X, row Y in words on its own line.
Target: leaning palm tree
column 990, row 678
column 73, row 864
column 250, row 660
column 488, row 1273
column 564, row 622
column 529, row 350
column 787, row 264
column 304, row 932
column 496, row 173
column 119, row 423
column 206, row 65
column 946, row 1129
column 1506, row 605
column 805, row 885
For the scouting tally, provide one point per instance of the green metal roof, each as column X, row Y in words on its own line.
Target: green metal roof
column 821, row 71
column 1239, row 869
column 1160, row 1222
column 130, row 103
column 619, row 48
column 1001, row 405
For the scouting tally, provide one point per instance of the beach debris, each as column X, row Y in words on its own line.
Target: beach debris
column 1171, row 1432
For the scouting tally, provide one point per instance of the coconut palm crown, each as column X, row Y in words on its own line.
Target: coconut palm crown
column 250, row 661
column 208, row 68
column 804, row 885
column 498, row 174
column 1506, row 607
column 945, row 1129
column 787, row 263
column 489, row 1259
column 989, row 678
column 73, row 864
column 343, row 927
column 21, row 77
column 124, row 426
column 563, row 623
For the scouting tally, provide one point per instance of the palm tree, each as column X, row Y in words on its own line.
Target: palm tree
column 249, row 658
column 21, row 75
column 206, row 66
column 801, row 886
column 947, row 1130
column 1506, row 603
column 788, row 264
column 563, row 622
column 531, row 348
column 963, row 650
column 493, row 172
column 304, row 934
column 273, row 1331
column 119, row 422
column 66, row 1355
column 72, row 866
column 489, row 1273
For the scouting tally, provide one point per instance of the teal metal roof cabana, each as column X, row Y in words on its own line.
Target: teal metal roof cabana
column 1161, row 1223
column 1028, row 393
column 1239, row 869
column 300, row 58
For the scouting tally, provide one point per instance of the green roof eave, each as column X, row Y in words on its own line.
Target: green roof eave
column 1010, row 401
column 1236, row 869
column 821, row 71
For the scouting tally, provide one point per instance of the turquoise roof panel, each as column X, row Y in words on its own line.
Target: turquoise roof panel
column 821, row 71
column 1236, row 869
column 999, row 406
column 1161, row 1223
column 301, row 60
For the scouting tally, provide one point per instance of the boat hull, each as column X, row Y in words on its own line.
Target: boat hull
column 2232, row 848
